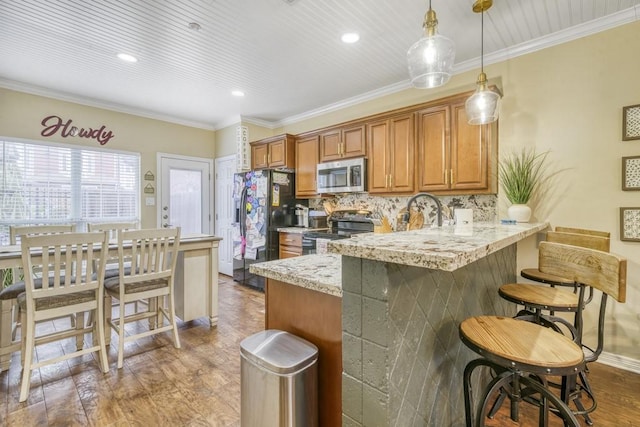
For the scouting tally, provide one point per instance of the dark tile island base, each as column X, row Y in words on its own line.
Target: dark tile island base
column 402, row 358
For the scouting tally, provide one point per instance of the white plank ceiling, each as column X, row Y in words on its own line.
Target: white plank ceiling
column 286, row 55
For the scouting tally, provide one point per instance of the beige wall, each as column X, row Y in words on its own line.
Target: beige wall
column 567, row 99
column 226, row 141
column 21, row 115
column 226, row 137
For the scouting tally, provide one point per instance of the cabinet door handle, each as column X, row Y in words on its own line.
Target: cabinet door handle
column 390, row 180
column 445, row 175
column 386, row 181
column 264, row 159
column 269, row 158
column 452, row 181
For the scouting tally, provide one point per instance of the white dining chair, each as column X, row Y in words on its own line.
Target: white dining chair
column 71, row 283
column 9, row 310
column 152, row 254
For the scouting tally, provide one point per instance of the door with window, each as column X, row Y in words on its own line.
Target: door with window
column 185, row 194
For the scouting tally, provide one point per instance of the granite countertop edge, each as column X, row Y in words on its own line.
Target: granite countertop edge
column 445, row 248
column 322, row 273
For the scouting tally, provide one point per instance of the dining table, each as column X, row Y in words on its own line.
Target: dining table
column 195, row 283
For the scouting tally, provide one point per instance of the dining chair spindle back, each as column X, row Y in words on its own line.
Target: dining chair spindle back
column 71, row 284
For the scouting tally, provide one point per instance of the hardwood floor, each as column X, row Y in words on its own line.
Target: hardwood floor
column 199, row 385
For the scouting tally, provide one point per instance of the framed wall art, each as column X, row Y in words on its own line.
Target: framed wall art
column 630, row 224
column 631, row 173
column 631, row 122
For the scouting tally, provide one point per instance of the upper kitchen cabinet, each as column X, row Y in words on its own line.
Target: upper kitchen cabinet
column 274, row 152
column 390, row 166
column 306, row 163
column 343, row 143
column 454, row 157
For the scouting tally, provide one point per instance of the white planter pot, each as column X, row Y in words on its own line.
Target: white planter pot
column 521, row 213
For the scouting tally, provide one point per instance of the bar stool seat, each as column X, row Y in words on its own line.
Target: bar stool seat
column 516, row 350
column 549, row 279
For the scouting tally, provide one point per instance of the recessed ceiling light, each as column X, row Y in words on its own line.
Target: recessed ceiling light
column 350, row 37
column 237, row 93
column 194, row 26
column 127, row 58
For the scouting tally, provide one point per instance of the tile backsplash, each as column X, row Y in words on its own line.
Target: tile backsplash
column 484, row 206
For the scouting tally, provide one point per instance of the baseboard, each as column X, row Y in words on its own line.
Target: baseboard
column 622, row 362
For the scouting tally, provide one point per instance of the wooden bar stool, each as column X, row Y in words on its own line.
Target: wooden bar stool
column 521, row 354
column 579, row 237
column 601, row 270
column 536, row 298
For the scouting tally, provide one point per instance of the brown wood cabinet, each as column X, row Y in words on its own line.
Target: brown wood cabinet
column 343, row 143
column 453, row 156
column 390, row 165
column 306, row 163
column 274, row 152
column 290, row 245
column 316, row 317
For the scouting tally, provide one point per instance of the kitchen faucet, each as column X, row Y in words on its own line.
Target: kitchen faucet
column 430, row 196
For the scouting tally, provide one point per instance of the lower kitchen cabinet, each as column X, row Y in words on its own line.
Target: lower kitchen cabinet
column 316, row 317
column 290, row 245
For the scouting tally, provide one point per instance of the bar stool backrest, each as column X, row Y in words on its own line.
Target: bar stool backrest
column 600, row 270
column 583, row 231
column 590, row 241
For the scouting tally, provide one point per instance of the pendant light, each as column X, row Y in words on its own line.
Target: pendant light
column 430, row 59
column 483, row 106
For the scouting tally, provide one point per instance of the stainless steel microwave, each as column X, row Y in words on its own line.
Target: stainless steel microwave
column 343, row 176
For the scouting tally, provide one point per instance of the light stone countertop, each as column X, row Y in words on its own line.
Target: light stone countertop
column 445, row 248
column 322, row 273
column 298, row 230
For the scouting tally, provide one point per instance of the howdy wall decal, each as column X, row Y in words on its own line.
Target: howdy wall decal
column 55, row 124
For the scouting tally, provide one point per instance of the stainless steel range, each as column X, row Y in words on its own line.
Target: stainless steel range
column 344, row 224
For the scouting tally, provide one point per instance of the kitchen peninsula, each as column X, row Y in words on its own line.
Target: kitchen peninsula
column 402, row 298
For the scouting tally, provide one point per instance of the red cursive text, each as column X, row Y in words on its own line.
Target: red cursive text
column 53, row 124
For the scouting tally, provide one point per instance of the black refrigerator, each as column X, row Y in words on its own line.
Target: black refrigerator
column 264, row 201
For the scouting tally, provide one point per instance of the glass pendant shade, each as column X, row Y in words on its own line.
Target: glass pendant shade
column 484, row 105
column 430, row 59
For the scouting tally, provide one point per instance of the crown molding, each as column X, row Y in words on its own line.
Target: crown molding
column 259, row 122
column 387, row 90
column 228, row 121
column 89, row 102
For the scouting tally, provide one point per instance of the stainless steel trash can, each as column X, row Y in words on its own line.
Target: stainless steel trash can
column 279, row 381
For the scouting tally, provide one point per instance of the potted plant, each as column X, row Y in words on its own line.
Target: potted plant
column 520, row 174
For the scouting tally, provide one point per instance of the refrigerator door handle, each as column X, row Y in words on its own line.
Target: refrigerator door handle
column 243, row 221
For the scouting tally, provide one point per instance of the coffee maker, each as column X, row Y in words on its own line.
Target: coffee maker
column 302, row 216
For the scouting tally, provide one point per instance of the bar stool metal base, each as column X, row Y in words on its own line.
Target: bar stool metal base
column 520, row 387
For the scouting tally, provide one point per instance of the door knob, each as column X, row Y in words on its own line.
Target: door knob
column 166, row 208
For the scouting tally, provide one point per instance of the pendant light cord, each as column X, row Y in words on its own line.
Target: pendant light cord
column 481, row 41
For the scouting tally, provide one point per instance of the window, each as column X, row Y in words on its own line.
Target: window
column 49, row 184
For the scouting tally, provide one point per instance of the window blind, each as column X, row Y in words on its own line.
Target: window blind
column 49, row 184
